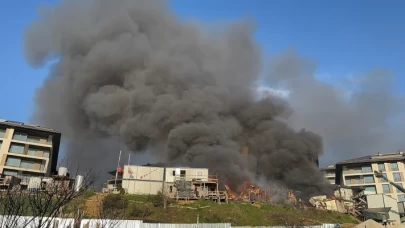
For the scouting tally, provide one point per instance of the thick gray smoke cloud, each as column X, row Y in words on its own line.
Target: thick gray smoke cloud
column 367, row 120
column 130, row 72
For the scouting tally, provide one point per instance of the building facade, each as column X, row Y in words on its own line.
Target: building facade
column 27, row 150
column 329, row 173
column 175, row 182
column 359, row 172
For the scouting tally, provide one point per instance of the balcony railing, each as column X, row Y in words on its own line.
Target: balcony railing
column 25, row 166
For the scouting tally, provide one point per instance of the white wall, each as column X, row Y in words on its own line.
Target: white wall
column 191, row 173
column 143, row 173
column 381, row 200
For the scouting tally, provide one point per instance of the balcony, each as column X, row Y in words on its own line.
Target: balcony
column 28, row 156
column 25, row 167
column 31, row 140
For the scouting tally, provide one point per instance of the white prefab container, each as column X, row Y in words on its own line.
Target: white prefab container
column 142, row 187
column 78, row 182
column 384, row 201
column 188, row 173
column 62, row 171
column 144, row 173
column 34, row 183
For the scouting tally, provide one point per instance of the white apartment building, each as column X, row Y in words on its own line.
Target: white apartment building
column 360, row 172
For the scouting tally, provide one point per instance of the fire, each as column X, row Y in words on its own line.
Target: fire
column 249, row 191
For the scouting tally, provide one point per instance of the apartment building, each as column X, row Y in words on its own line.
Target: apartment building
column 329, row 173
column 27, row 150
column 359, row 172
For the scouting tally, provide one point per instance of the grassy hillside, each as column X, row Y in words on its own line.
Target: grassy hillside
column 149, row 209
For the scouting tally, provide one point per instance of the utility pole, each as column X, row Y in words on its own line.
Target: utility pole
column 164, row 189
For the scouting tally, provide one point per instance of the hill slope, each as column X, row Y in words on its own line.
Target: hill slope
column 148, row 209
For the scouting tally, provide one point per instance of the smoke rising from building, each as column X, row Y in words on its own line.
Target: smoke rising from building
column 131, row 73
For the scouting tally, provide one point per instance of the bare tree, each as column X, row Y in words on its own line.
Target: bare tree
column 43, row 203
column 13, row 205
column 110, row 210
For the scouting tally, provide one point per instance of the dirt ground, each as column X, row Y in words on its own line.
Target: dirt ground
column 92, row 205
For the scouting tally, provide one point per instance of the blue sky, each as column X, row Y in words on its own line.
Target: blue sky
column 344, row 37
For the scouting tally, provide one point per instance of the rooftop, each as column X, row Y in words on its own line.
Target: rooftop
column 15, row 124
column 329, row 167
column 398, row 156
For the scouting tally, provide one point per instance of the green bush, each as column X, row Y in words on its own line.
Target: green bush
column 136, row 211
column 114, row 206
column 158, row 200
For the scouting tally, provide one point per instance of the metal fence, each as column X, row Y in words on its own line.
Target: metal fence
column 200, row 225
column 30, row 222
column 315, row 226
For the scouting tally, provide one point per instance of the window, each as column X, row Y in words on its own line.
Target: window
column 401, row 198
column 174, row 173
column 46, row 154
column 13, row 162
column 32, row 152
column 366, row 169
column 386, row 188
column 381, row 167
column 368, row 179
column 2, row 132
column 33, row 139
column 348, row 181
column 171, row 188
column 1, row 142
column 20, row 136
column 397, row 177
column 182, row 173
column 17, row 148
column 394, row 166
column 27, row 164
column 10, row 173
column 370, row 190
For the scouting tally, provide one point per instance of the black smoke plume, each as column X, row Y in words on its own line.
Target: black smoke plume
column 132, row 73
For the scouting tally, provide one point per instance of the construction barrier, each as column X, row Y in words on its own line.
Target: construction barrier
column 30, row 222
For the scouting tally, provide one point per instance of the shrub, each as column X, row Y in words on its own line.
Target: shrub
column 114, row 206
column 139, row 212
column 158, row 200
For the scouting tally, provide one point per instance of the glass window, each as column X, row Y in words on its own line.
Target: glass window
column 13, row 162
column 1, row 142
column 10, row 173
column 401, row 198
column 2, row 132
column 27, row 164
column 34, row 139
column 397, row 177
column 46, row 154
column 32, row 152
column 17, row 148
column 370, row 190
column 348, row 181
column 381, row 167
column 368, row 179
column 386, row 188
column 394, row 166
column 20, row 136
column 366, row 169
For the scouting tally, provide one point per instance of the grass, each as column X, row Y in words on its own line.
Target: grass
column 242, row 214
